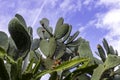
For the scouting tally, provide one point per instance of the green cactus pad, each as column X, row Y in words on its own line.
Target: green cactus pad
column 67, row 34
column 44, row 22
column 12, row 49
column 21, row 19
column 20, row 35
column 35, row 44
column 71, row 38
column 30, row 31
column 60, row 50
column 101, row 52
column 61, row 31
column 111, row 62
column 42, row 33
column 3, row 40
column 48, row 46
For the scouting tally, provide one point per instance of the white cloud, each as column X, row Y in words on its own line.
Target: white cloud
column 110, row 21
column 81, row 29
column 109, row 3
column 88, row 2
column 71, row 5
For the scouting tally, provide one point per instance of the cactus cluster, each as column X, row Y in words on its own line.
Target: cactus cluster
column 58, row 44
column 67, row 57
column 110, row 59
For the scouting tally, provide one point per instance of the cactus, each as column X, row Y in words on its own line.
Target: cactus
column 67, row 57
column 110, row 59
column 12, row 49
column 48, row 47
column 60, row 50
column 101, row 52
column 4, row 40
column 44, row 22
column 71, row 38
column 85, row 51
column 102, row 70
column 61, row 31
column 20, row 36
column 3, row 72
column 43, row 33
column 67, row 34
column 35, row 44
column 21, row 19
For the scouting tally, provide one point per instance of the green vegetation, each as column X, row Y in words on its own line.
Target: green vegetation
column 68, row 57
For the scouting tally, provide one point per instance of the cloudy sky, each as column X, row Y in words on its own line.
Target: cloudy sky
column 95, row 19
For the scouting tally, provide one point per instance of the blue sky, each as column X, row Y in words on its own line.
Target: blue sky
column 95, row 19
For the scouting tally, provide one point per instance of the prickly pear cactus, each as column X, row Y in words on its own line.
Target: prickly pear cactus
column 20, row 35
column 62, row 55
column 4, row 40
